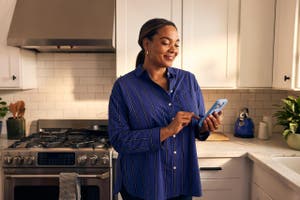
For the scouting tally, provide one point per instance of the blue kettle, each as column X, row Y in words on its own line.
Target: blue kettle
column 244, row 126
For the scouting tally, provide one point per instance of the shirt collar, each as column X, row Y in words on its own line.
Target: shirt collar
column 171, row 73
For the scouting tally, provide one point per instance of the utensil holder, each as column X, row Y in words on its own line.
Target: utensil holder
column 15, row 128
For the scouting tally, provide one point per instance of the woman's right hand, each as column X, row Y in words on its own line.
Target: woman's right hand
column 181, row 120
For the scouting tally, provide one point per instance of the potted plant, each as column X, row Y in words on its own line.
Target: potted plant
column 288, row 116
column 3, row 111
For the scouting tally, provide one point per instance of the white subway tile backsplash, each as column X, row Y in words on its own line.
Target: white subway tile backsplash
column 78, row 86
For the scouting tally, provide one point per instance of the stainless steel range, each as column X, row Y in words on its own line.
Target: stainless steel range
column 33, row 165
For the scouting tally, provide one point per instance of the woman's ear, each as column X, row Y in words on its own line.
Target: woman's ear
column 146, row 43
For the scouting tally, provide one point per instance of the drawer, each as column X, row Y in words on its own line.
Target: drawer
column 222, row 167
column 220, row 189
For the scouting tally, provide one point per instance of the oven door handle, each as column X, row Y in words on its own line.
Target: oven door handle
column 105, row 175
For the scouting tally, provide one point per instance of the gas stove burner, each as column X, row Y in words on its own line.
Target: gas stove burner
column 64, row 139
column 34, row 145
column 54, row 130
column 82, row 144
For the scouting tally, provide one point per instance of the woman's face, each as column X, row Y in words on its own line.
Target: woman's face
column 163, row 48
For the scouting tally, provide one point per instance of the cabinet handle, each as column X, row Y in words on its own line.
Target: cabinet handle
column 286, row 78
column 14, row 77
column 210, row 168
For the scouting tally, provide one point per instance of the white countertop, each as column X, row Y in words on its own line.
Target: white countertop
column 237, row 147
column 259, row 151
column 4, row 142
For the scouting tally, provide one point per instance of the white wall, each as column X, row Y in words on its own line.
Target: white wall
column 75, row 86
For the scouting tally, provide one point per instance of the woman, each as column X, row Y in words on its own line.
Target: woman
column 153, row 121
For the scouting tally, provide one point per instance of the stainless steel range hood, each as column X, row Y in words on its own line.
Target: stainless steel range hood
column 63, row 25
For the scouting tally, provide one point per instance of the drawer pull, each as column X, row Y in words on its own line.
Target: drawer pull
column 210, row 168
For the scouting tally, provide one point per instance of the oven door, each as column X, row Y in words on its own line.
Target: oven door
column 46, row 186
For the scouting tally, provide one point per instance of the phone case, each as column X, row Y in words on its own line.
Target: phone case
column 217, row 107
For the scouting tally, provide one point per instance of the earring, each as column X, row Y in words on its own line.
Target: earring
column 147, row 52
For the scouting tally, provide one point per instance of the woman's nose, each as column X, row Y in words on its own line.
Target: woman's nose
column 172, row 49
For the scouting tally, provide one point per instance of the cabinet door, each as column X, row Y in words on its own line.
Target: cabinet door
column 1, row 179
column 216, row 189
column 9, row 65
column 17, row 67
column 210, row 41
column 285, row 44
column 224, row 178
column 131, row 15
column 256, row 43
column 257, row 193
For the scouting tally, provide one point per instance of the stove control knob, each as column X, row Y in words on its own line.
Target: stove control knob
column 82, row 159
column 93, row 159
column 29, row 160
column 105, row 159
column 8, row 160
column 18, row 160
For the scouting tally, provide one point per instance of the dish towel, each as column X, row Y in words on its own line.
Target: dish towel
column 69, row 186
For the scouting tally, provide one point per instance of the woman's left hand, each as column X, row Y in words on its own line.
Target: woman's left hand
column 212, row 122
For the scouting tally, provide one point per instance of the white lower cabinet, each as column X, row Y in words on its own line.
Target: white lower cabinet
column 224, row 178
column 267, row 186
column 1, row 179
column 258, row 193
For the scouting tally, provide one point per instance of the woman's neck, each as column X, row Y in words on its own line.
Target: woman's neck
column 155, row 73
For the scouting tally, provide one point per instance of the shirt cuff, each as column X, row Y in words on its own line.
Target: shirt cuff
column 155, row 140
column 203, row 136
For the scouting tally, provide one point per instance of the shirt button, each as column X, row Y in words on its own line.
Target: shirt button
column 174, row 167
column 171, row 91
column 170, row 104
column 174, row 152
column 174, row 136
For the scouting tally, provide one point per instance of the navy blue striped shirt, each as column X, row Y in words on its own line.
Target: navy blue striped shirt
column 138, row 109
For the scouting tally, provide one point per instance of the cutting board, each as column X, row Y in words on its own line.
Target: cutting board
column 217, row 136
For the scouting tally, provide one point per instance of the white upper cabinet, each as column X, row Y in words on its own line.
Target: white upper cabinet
column 285, row 73
column 257, row 20
column 210, row 41
column 18, row 67
column 131, row 15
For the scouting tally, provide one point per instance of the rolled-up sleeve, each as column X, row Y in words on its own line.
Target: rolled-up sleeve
column 122, row 138
column 201, row 107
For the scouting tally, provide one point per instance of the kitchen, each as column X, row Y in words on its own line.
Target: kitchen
column 78, row 85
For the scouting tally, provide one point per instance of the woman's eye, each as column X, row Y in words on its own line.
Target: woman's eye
column 165, row 43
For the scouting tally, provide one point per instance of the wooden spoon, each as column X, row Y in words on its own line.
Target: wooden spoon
column 21, row 109
column 12, row 109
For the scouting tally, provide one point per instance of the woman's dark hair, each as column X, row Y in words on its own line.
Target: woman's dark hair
column 148, row 30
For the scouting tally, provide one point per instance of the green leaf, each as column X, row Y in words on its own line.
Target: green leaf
column 293, row 127
column 3, row 103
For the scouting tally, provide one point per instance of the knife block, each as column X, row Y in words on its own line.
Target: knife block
column 15, row 128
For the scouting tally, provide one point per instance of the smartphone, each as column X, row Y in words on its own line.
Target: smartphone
column 217, row 107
